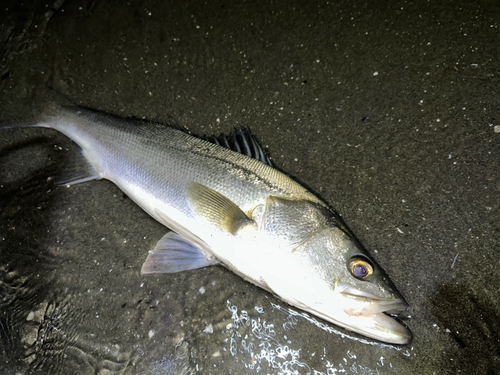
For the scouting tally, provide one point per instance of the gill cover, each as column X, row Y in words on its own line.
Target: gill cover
column 322, row 243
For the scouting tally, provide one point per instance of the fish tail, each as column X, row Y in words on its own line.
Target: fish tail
column 16, row 126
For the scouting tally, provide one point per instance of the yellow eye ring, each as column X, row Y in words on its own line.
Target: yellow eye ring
column 360, row 268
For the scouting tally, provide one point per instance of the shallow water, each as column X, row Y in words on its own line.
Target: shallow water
column 388, row 113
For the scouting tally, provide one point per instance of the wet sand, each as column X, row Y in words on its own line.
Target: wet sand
column 388, row 112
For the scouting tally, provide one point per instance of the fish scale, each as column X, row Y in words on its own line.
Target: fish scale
column 233, row 210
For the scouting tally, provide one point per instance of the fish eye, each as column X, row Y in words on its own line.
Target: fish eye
column 360, row 268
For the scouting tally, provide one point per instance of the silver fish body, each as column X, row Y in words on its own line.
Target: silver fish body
column 229, row 209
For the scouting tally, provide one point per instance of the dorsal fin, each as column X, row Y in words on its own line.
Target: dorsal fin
column 242, row 141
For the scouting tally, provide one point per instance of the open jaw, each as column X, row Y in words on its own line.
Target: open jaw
column 385, row 316
column 377, row 318
column 374, row 316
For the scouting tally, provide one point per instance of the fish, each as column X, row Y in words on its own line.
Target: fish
column 225, row 204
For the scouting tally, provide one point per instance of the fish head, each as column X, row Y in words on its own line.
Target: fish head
column 328, row 273
column 350, row 288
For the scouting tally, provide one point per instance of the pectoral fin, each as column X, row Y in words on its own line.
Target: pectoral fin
column 216, row 208
column 174, row 253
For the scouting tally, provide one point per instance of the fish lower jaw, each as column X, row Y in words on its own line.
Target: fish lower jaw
column 378, row 320
column 370, row 321
column 360, row 315
column 377, row 325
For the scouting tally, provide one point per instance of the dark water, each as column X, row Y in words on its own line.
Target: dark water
column 388, row 111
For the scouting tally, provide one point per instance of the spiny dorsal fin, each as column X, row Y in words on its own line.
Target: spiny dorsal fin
column 242, row 141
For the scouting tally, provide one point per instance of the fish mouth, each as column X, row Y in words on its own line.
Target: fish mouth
column 383, row 315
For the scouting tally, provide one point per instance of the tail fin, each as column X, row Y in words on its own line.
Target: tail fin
column 40, row 125
column 76, row 168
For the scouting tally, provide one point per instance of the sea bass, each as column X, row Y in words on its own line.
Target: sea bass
column 228, row 209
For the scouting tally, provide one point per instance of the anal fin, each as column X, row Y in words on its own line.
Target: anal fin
column 174, row 253
column 76, row 169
